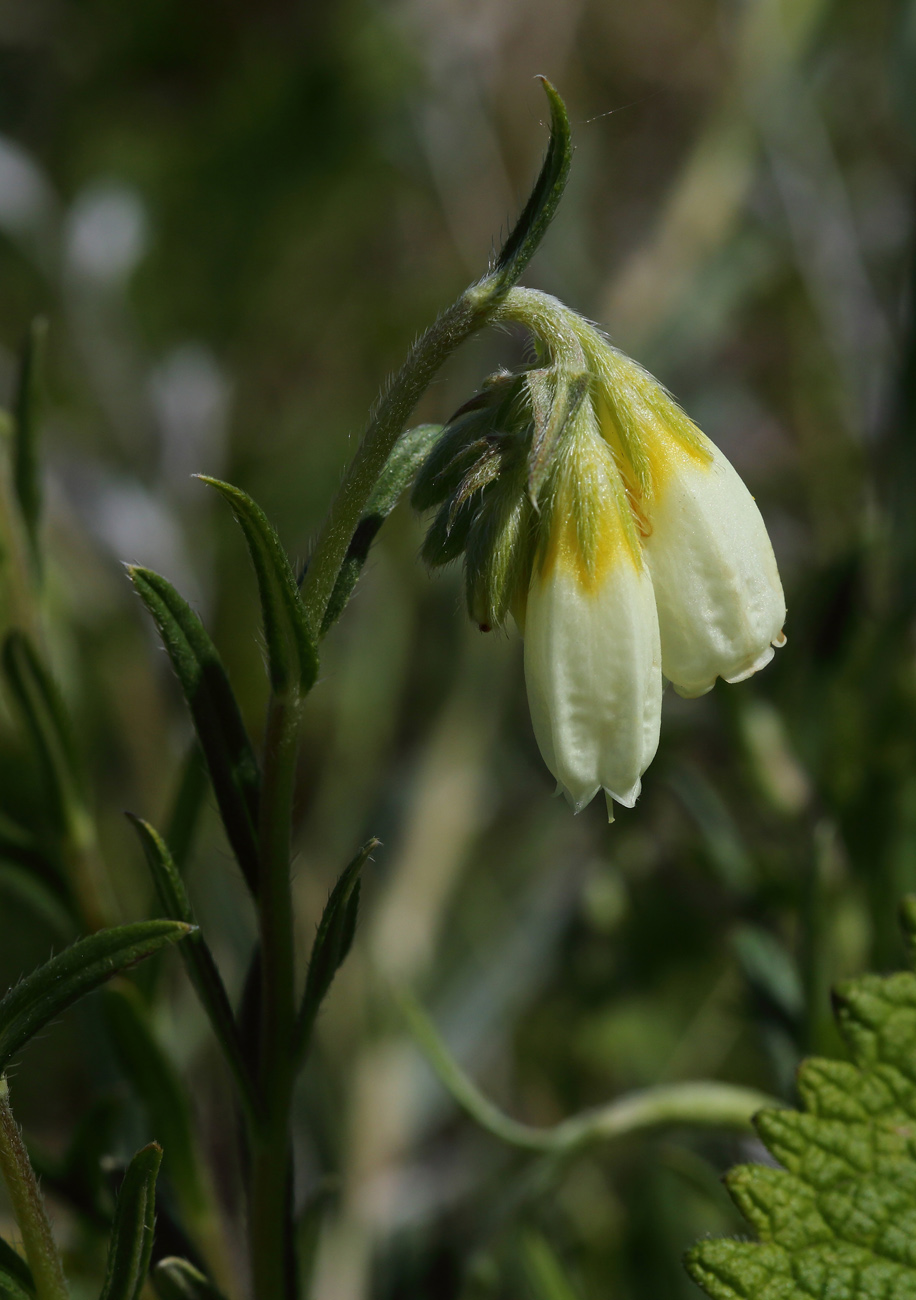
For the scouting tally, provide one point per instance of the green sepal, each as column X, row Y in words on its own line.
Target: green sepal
column 27, row 413
column 555, row 402
column 498, row 555
column 333, row 941
column 176, row 1279
column 45, row 716
column 544, row 200
column 156, row 1083
column 15, row 1275
column 46, row 992
column 291, row 652
column 196, row 954
column 457, row 450
column 217, row 719
column 447, row 535
column 409, row 453
column 131, row 1243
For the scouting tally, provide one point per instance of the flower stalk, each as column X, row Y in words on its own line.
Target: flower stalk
column 28, row 1207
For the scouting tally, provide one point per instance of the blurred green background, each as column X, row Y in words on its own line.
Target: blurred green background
column 235, row 218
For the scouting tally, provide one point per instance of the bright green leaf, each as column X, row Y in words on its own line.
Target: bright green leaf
column 838, row 1216
column 217, row 718
column 291, row 653
column 132, row 1233
column 46, row 992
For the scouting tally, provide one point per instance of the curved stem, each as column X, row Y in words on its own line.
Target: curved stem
column 28, row 1207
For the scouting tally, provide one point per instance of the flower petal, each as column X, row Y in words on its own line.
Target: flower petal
column 720, row 601
column 592, row 667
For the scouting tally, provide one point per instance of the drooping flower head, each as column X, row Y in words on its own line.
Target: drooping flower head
column 589, row 507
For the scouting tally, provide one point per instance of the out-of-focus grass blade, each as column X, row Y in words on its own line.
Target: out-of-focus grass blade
column 543, row 1270
column 196, row 954
column 184, row 816
column 46, row 992
column 42, row 709
column 332, row 943
column 217, row 718
column 176, row 1279
column 27, row 412
column 15, row 1275
column 155, row 1082
column 291, row 652
column 38, row 896
column 408, row 454
column 131, row 1242
column 544, row 200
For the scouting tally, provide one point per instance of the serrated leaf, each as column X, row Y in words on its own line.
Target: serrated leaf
column 409, row 453
column 333, row 941
column 27, row 412
column 196, row 954
column 544, row 200
column 131, row 1243
column 217, row 719
column 176, row 1279
column 839, row 1217
column 291, row 653
column 36, row 1000
column 15, row 1275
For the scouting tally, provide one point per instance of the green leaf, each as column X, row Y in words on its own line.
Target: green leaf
column 176, row 1279
column 543, row 1270
column 217, row 719
column 409, row 453
column 15, row 1275
column 46, row 992
column 291, row 652
column 837, row 1218
column 27, row 410
column 156, row 1083
column 45, row 716
column 196, row 955
column 131, row 1242
column 332, row 943
column 542, row 205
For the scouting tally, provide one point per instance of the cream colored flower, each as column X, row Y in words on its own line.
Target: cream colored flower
column 592, row 654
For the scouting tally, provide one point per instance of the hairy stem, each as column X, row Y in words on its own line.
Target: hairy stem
column 28, row 1207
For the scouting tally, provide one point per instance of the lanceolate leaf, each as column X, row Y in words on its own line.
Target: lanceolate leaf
column 332, row 942
column 46, row 992
column 291, row 652
column 220, row 729
column 176, row 1279
column 410, row 450
column 196, row 954
column 838, row 1217
column 27, row 410
column 132, row 1234
column 542, row 205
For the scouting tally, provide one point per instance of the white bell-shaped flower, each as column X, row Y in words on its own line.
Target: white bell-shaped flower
column 720, row 602
column 592, row 653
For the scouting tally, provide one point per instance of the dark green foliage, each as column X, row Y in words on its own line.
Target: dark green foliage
column 27, row 409
column 131, row 1242
column 230, row 758
column 176, row 1279
column 15, row 1276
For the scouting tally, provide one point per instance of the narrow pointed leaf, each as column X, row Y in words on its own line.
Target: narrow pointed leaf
column 176, row 1279
column 196, row 954
column 27, row 410
column 291, row 653
column 155, row 1081
column 46, row 992
column 230, row 758
column 332, row 943
column 409, row 453
column 569, row 392
column 45, row 716
column 542, row 205
column 131, row 1243
column 15, row 1275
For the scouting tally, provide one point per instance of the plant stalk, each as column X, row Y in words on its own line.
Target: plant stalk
column 271, row 1248
column 28, row 1207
